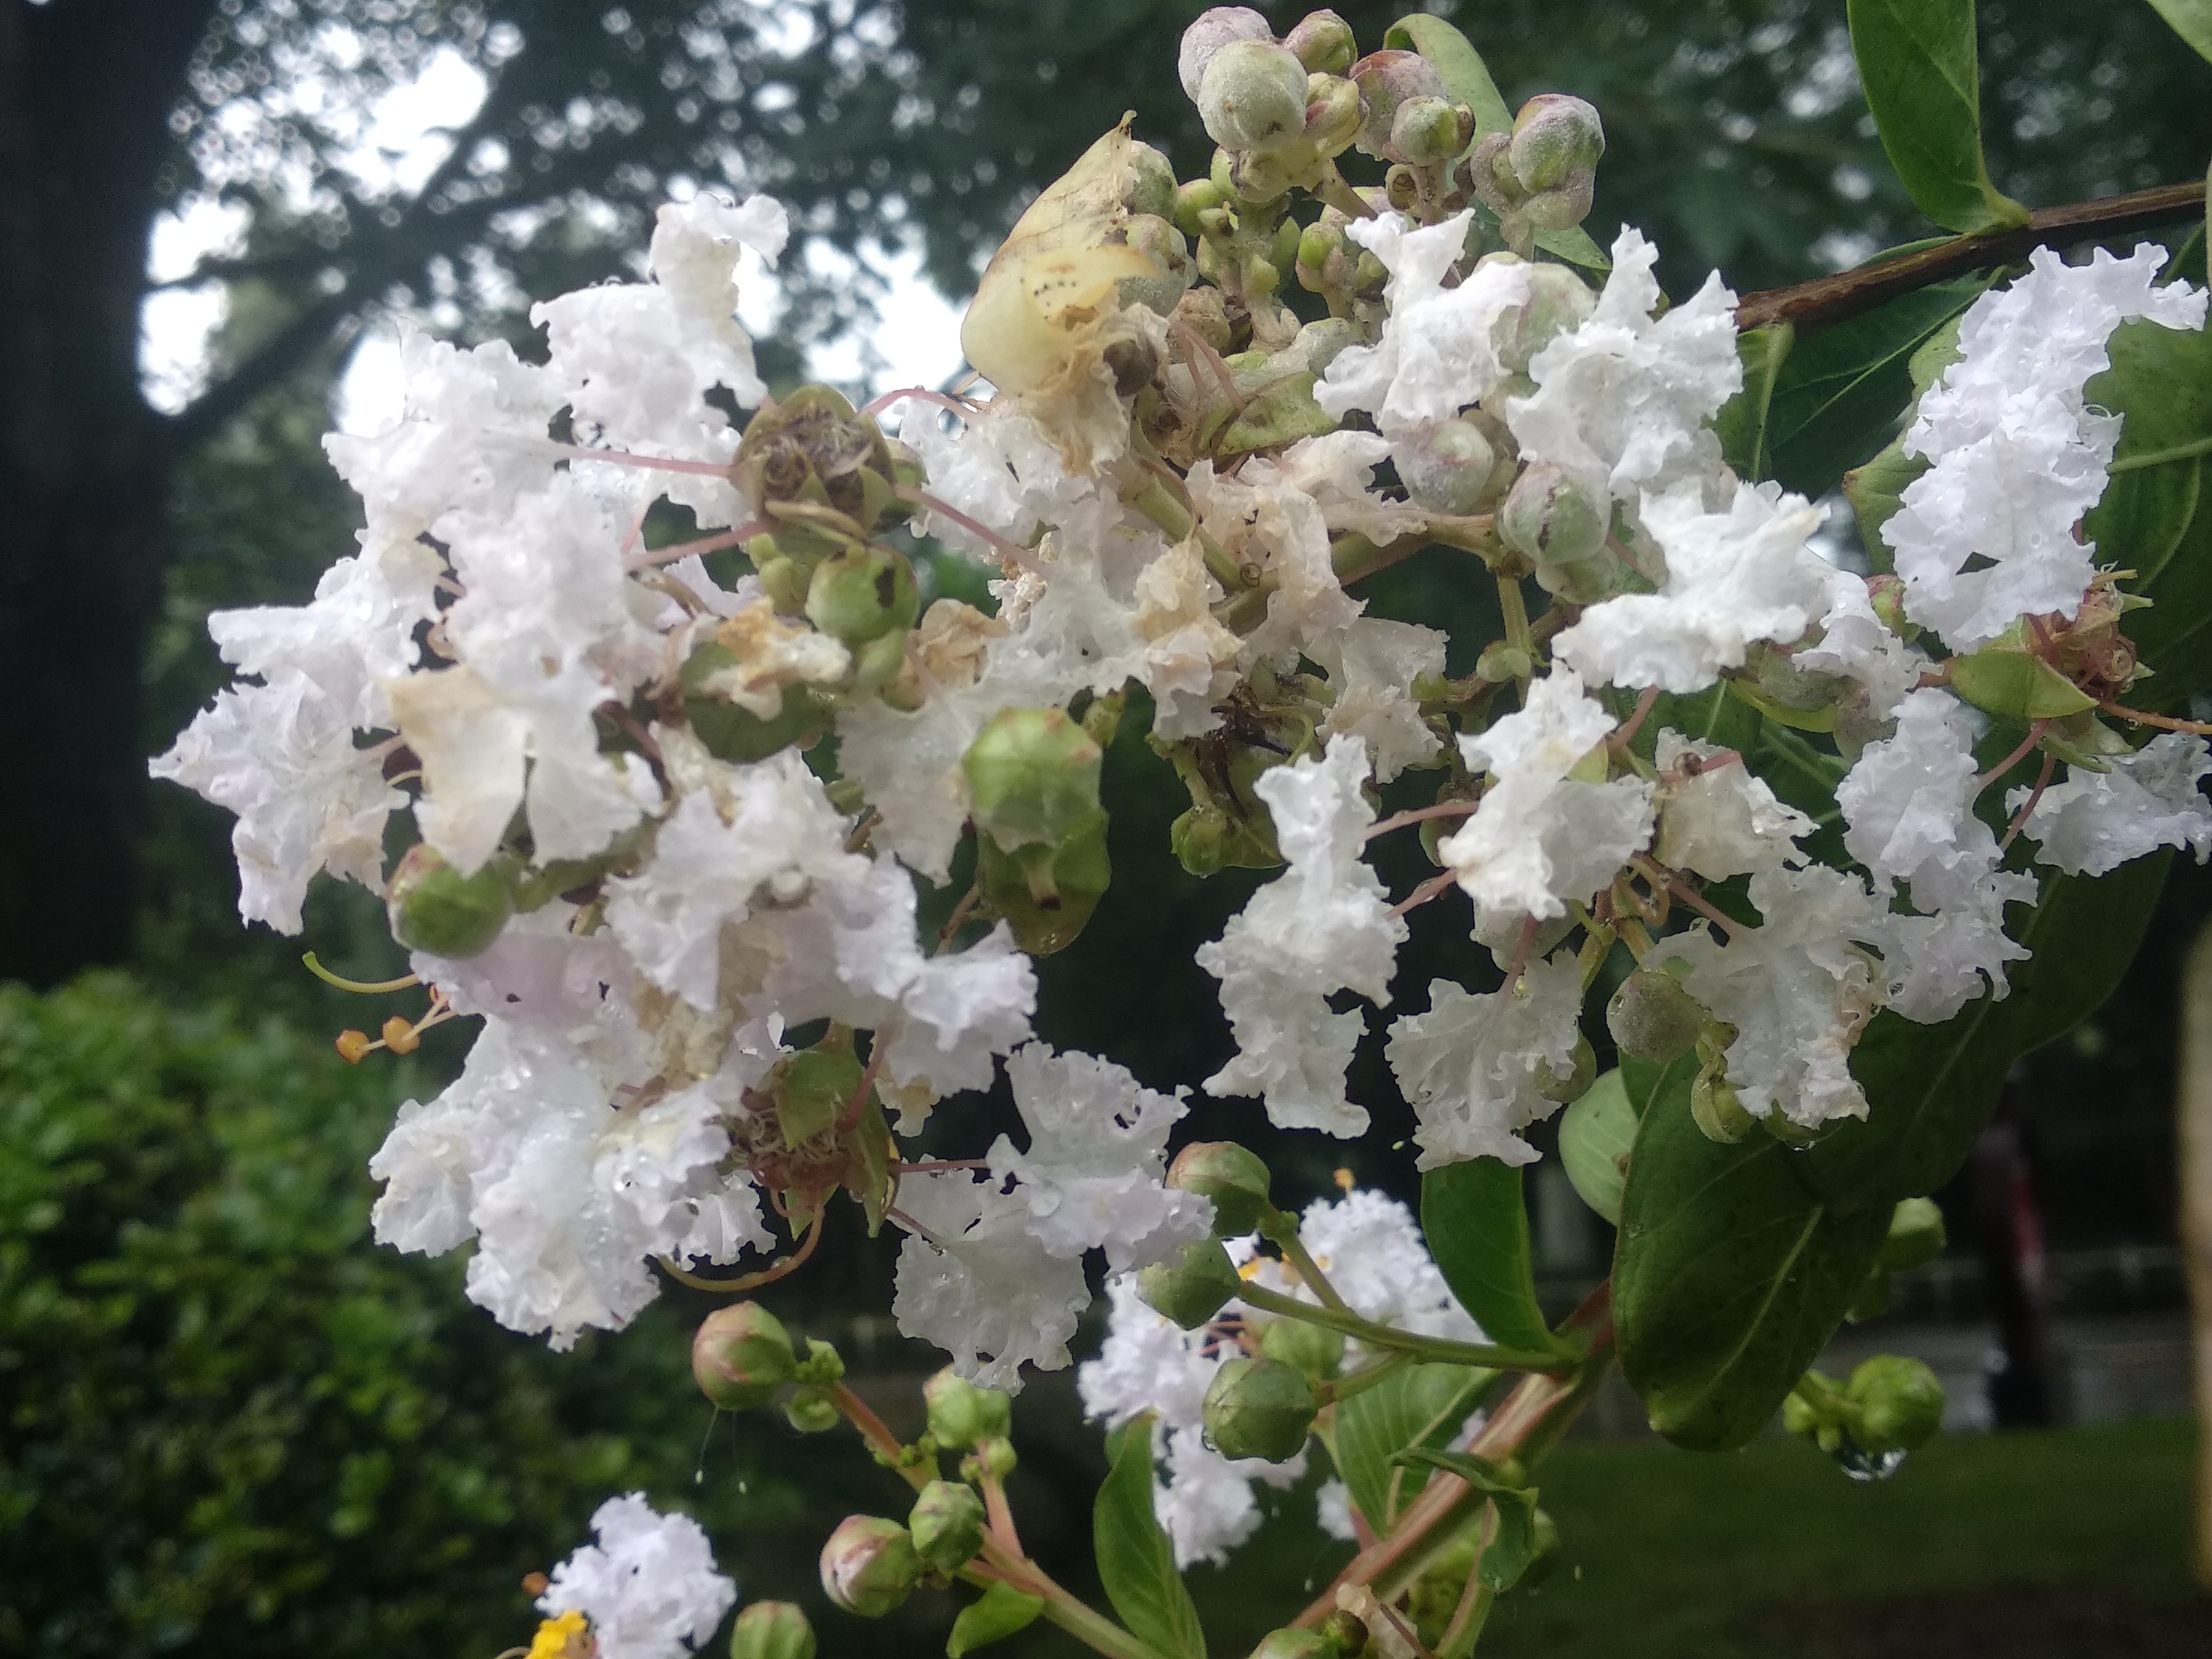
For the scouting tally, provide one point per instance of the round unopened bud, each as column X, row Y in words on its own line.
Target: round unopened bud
column 1886, row 593
column 1345, row 1633
column 1259, row 1408
column 772, row 1630
column 870, row 1565
column 1322, row 41
column 1583, row 1072
column 1585, row 581
column 1194, row 1287
column 1652, row 1017
column 1031, row 774
column 1426, row 132
column 1253, row 96
column 784, row 579
column 812, row 1413
column 1150, row 184
column 1446, row 468
column 1900, row 1403
column 1559, row 300
column 1916, row 1235
column 1234, row 1178
column 1719, row 1115
column 1781, row 682
column 1292, row 1643
column 1387, row 79
column 1316, row 1352
column 961, row 1414
column 1554, row 137
column 1211, row 30
column 947, row 1525
column 741, row 1355
column 435, row 907
column 1333, row 112
column 1163, row 245
column 862, row 594
column 1553, row 517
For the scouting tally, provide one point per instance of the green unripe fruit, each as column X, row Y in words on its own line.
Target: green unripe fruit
column 1555, row 137
column 1234, row 1178
column 870, row 1565
column 1316, row 1352
column 1553, row 518
column 1032, row 774
column 772, row 1630
column 811, row 1090
column 863, row 594
column 741, row 1355
column 1191, row 1289
column 1577, row 1083
column 1259, row 1408
column 1425, row 132
column 1900, row 1403
column 1652, row 1017
column 1252, row 95
column 1916, row 1235
column 1191, row 199
column 961, row 1414
column 947, row 1525
column 1344, row 1633
column 1322, row 41
column 1583, row 581
column 435, row 907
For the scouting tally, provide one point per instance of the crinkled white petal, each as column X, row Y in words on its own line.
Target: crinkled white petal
column 1854, row 643
column 1472, row 1067
column 1372, row 666
column 1720, row 820
column 985, row 1291
column 2097, row 821
column 648, row 1585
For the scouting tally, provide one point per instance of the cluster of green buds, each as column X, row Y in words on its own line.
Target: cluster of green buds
column 1269, row 721
column 1539, row 177
column 1041, row 863
column 1340, row 1636
column 742, row 1358
column 1891, row 1405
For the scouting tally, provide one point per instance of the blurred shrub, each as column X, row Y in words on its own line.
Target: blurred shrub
column 232, row 1424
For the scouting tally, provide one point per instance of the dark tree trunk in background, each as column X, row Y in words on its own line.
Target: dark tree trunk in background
column 86, row 86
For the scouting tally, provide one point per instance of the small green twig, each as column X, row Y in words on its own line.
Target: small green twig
column 1439, row 1349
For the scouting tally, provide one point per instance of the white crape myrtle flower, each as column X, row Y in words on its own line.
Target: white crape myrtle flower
column 1733, row 577
column 978, row 1286
column 1092, row 1174
column 1986, row 535
column 1324, row 925
column 1623, row 400
column 1337, row 469
column 1261, row 519
column 1857, row 645
column 1371, row 1249
column 1148, row 1363
column 1540, row 838
column 1372, row 666
column 1716, row 818
column 1205, row 1505
column 2097, row 821
column 1473, row 1067
column 1332, row 1512
column 1796, row 989
column 999, row 469
column 648, row 1585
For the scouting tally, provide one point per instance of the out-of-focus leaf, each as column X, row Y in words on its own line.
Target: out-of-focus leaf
column 1506, row 1553
column 1917, row 63
column 1136, row 1563
column 1001, row 1611
column 1596, row 1134
column 1742, row 423
column 1416, row 1405
column 1476, row 1221
column 2191, row 21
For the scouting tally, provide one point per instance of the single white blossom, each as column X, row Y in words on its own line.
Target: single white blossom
column 648, row 1585
column 1474, row 1067
column 2097, row 821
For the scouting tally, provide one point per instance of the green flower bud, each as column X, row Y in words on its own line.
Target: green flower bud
column 1427, row 132
column 1193, row 1288
column 1234, row 1178
column 1323, row 42
column 1713, row 1103
column 994, row 1456
column 1333, row 113
column 1259, row 1408
column 1552, row 517
column 1344, row 1633
column 1448, row 469
column 1316, row 1352
column 741, row 1355
column 1387, row 79
column 435, row 907
column 1150, row 187
column 1916, row 1235
column 1293, row 1645
column 1559, row 301
column 812, row 1413
column 870, row 1565
column 1652, row 1017
column 1554, row 137
column 1585, row 581
column 961, row 1414
column 1163, row 245
column 1199, row 839
column 1032, row 774
column 1900, row 1403
column 785, row 581
column 811, row 1090
column 862, row 594
column 1191, row 199
column 1252, row 95
column 1798, row 1416
column 822, row 1368
column 947, row 1525
column 1577, row 1083
column 772, row 1630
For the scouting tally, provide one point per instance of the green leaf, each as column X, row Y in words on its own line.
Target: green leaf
column 1729, row 1276
column 1872, row 491
column 1477, row 1226
column 1415, row 1405
column 1917, row 63
column 1468, row 81
column 1643, row 1081
column 1001, row 1612
column 1136, row 1563
column 2155, row 518
column 2191, row 21
column 1505, row 1556
column 1931, row 1088
column 1742, row 423
column 1594, row 1138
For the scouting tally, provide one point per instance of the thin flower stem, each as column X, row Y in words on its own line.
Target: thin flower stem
column 1009, row 551
column 920, row 394
column 1665, row 880
column 2019, row 818
column 1522, row 947
column 1282, row 1228
column 1001, row 1513
column 651, row 463
column 961, row 911
column 1343, row 1388
column 877, row 1048
column 646, row 558
column 2167, row 722
column 1442, row 809
column 1511, row 601
column 790, row 1264
column 1467, row 1618
column 1434, row 887
column 2027, row 747
column 1645, row 705
column 2161, row 457
column 936, row 1165
column 1440, row 1349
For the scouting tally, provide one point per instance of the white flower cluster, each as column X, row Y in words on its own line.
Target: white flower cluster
column 1372, row 1252
column 648, row 1585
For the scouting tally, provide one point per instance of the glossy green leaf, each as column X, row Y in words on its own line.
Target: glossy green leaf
column 2191, row 21
column 1729, row 1276
column 1742, row 423
column 1874, row 490
column 1477, row 1224
column 1596, row 1134
column 1136, row 1563
column 1001, row 1611
column 1917, row 65
column 1415, row 1405
column 1512, row 1543
column 1468, row 81
column 1931, row 1088
column 2155, row 518
column 1643, row 1081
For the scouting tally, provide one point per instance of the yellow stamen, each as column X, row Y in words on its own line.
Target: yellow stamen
column 354, row 1047
column 399, row 1035
column 564, row 1638
column 1344, row 1181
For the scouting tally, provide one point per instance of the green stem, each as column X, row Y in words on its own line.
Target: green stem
column 1439, row 1349
column 2160, row 457
column 1515, row 606
column 1343, row 1387
column 1282, row 1229
column 1157, row 503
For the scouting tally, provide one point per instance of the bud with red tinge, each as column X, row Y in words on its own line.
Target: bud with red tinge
column 870, row 1565
column 741, row 1356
